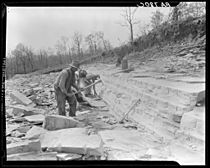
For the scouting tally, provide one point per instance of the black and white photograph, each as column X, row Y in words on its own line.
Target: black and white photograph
column 106, row 83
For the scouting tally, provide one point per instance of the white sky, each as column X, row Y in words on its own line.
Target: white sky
column 41, row 27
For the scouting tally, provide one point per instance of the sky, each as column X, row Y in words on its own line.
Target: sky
column 41, row 27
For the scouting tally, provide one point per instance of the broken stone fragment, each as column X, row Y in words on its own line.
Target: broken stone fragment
column 35, row 132
column 36, row 89
column 68, row 156
column 33, row 156
column 19, row 110
column 9, row 112
column 55, row 122
column 23, row 129
column 33, row 84
column 17, row 134
column 35, row 118
column 18, row 119
column 72, row 140
column 10, row 128
column 21, row 147
column 28, row 92
column 20, row 98
column 130, row 125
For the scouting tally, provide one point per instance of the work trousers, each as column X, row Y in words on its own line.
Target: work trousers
column 61, row 102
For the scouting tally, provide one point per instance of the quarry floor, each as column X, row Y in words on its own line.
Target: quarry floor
column 125, row 141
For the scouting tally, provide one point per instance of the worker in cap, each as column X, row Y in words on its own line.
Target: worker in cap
column 63, row 89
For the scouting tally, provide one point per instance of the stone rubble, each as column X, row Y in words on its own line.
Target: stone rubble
column 30, row 101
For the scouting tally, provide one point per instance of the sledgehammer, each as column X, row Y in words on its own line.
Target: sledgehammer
column 134, row 105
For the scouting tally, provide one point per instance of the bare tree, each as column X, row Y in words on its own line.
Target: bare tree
column 59, row 51
column 29, row 55
column 100, row 37
column 130, row 21
column 18, row 52
column 156, row 19
column 43, row 58
column 144, row 29
column 77, row 40
column 90, row 40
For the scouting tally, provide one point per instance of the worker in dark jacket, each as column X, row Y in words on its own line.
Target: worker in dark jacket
column 63, row 90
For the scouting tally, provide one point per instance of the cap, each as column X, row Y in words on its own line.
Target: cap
column 75, row 64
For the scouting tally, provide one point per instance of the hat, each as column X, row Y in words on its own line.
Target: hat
column 82, row 73
column 75, row 64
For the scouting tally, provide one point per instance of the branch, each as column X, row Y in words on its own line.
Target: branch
column 136, row 22
column 134, row 11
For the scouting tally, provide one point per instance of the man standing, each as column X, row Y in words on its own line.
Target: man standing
column 63, row 90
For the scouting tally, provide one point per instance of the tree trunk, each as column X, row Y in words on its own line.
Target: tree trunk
column 60, row 56
column 104, row 45
column 131, row 29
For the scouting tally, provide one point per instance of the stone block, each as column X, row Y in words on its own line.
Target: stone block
column 22, row 147
column 35, row 132
column 188, row 121
column 176, row 118
column 20, row 98
column 55, row 122
column 33, row 156
column 72, row 140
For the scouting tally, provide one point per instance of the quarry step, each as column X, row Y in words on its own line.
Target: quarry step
column 185, row 92
column 150, row 100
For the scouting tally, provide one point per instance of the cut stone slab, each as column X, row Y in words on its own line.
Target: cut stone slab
column 25, row 110
column 20, row 98
column 72, row 140
column 188, row 121
column 55, row 122
column 22, row 147
column 35, row 132
column 35, row 118
column 128, row 140
column 33, row 156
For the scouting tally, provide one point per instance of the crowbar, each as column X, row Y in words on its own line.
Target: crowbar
column 136, row 102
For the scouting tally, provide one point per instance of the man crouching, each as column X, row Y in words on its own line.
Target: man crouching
column 86, row 79
column 63, row 90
